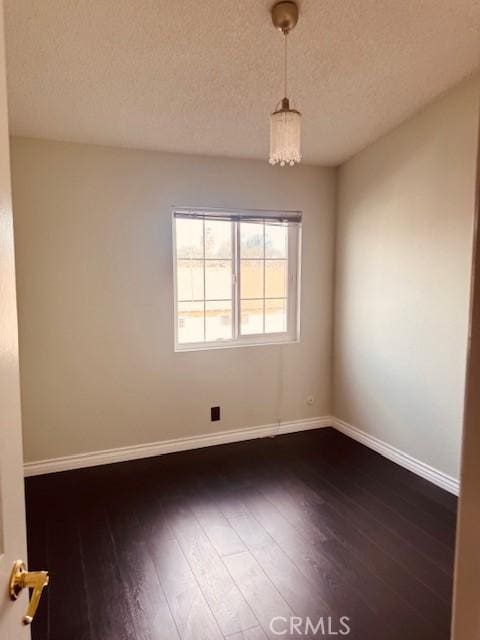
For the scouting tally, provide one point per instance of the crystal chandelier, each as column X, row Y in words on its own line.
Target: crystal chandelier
column 285, row 123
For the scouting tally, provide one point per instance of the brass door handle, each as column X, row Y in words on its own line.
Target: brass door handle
column 21, row 579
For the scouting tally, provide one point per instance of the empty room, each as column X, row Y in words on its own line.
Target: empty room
column 239, row 320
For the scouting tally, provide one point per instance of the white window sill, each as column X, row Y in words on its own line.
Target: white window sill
column 233, row 344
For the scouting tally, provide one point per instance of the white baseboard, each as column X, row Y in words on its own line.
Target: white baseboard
column 122, row 454
column 396, row 455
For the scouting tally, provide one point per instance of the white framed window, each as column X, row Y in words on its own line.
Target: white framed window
column 237, row 276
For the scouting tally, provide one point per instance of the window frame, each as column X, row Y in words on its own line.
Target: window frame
column 292, row 335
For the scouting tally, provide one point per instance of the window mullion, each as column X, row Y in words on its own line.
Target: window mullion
column 236, row 280
column 204, row 289
column 264, row 268
column 293, row 249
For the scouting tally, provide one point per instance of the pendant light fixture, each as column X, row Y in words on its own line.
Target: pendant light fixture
column 285, row 123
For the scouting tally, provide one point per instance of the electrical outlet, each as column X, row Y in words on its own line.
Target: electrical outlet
column 310, row 399
column 214, row 414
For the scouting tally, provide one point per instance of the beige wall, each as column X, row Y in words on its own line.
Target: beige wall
column 94, row 259
column 405, row 214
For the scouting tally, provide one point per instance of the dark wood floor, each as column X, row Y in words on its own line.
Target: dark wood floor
column 214, row 543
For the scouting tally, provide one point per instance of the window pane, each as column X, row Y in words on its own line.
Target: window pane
column 251, row 240
column 218, row 239
column 190, row 280
column 276, row 278
column 276, row 241
column 275, row 316
column 190, row 322
column 189, row 238
column 251, row 278
column 218, row 320
column 218, row 279
column 251, row 317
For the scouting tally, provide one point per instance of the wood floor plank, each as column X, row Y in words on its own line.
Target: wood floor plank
column 302, row 596
column 258, row 590
column 292, row 508
column 108, row 601
column 250, row 634
column 151, row 614
column 194, row 618
column 67, row 588
column 226, row 602
column 222, row 536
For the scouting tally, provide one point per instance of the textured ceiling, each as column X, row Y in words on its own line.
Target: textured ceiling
column 202, row 77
